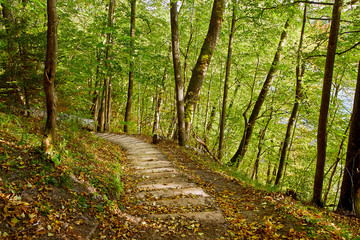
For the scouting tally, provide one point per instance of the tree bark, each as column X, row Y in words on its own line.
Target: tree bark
column 131, row 71
column 179, row 86
column 300, row 69
column 226, row 83
column 334, row 166
column 49, row 78
column 350, row 187
column 159, row 102
column 202, row 64
column 260, row 145
column 189, row 42
column 240, row 153
column 325, row 99
column 107, row 83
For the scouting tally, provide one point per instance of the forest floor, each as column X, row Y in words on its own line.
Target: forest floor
column 98, row 190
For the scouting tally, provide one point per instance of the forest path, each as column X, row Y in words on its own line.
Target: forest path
column 176, row 195
column 162, row 187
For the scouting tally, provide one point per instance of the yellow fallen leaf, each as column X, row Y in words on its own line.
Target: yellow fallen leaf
column 14, row 221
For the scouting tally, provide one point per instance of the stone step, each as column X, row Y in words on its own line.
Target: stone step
column 157, row 186
column 181, row 202
column 167, row 180
column 159, row 175
column 165, row 193
column 146, row 157
column 209, row 217
column 140, row 163
column 168, row 170
column 148, row 161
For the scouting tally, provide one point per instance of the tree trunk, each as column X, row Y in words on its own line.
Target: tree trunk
column 131, row 71
column 160, row 94
column 159, row 102
column 211, row 120
column 189, row 42
column 261, row 139
column 11, row 48
column 207, row 106
column 338, row 158
column 107, row 83
column 49, row 78
column 350, row 187
column 240, row 153
column 179, row 86
column 202, row 64
column 300, row 69
column 226, row 83
column 324, row 107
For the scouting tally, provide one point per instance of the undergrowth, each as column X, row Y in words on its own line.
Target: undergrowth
column 40, row 199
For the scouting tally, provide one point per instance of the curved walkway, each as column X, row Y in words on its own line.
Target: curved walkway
column 161, row 184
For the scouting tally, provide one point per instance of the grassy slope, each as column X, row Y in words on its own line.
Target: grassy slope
column 41, row 200
column 83, row 195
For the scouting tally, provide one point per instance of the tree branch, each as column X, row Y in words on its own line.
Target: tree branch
column 338, row 53
column 206, row 148
column 317, row 3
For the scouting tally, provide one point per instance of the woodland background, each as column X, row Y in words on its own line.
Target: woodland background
column 97, row 53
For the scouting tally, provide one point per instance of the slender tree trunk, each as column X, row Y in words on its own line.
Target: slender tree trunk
column 325, row 99
column 338, row 158
column 179, row 86
column 160, row 96
column 96, row 99
column 350, row 187
column 139, row 114
column 189, row 42
column 23, row 57
column 240, row 153
column 211, row 119
column 107, row 83
column 131, row 71
column 158, row 104
column 11, row 48
column 202, row 64
column 256, row 164
column 49, row 78
column 24, row 81
column 101, row 113
column 207, row 106
column 300, row 69
column 260, row 152
column 226, row 83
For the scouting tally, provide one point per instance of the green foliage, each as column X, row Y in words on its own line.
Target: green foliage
column 82, row 69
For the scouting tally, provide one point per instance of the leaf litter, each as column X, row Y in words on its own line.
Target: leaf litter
column 82, row 198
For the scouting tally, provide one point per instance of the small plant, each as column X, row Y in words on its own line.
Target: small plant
column 51, row 181
column 66, row 181
column 117, row 184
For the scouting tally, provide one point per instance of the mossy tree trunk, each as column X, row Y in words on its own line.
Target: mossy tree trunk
column 49, row 78
column 202, row 64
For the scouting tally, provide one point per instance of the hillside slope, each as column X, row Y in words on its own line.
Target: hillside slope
column 87, row 194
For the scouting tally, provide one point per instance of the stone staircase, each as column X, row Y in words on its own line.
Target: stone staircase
column 161, row 185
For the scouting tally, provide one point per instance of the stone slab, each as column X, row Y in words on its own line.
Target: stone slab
column 165, row 193
column 209, row 217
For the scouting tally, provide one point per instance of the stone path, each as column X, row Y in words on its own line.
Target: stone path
column 163, row 185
